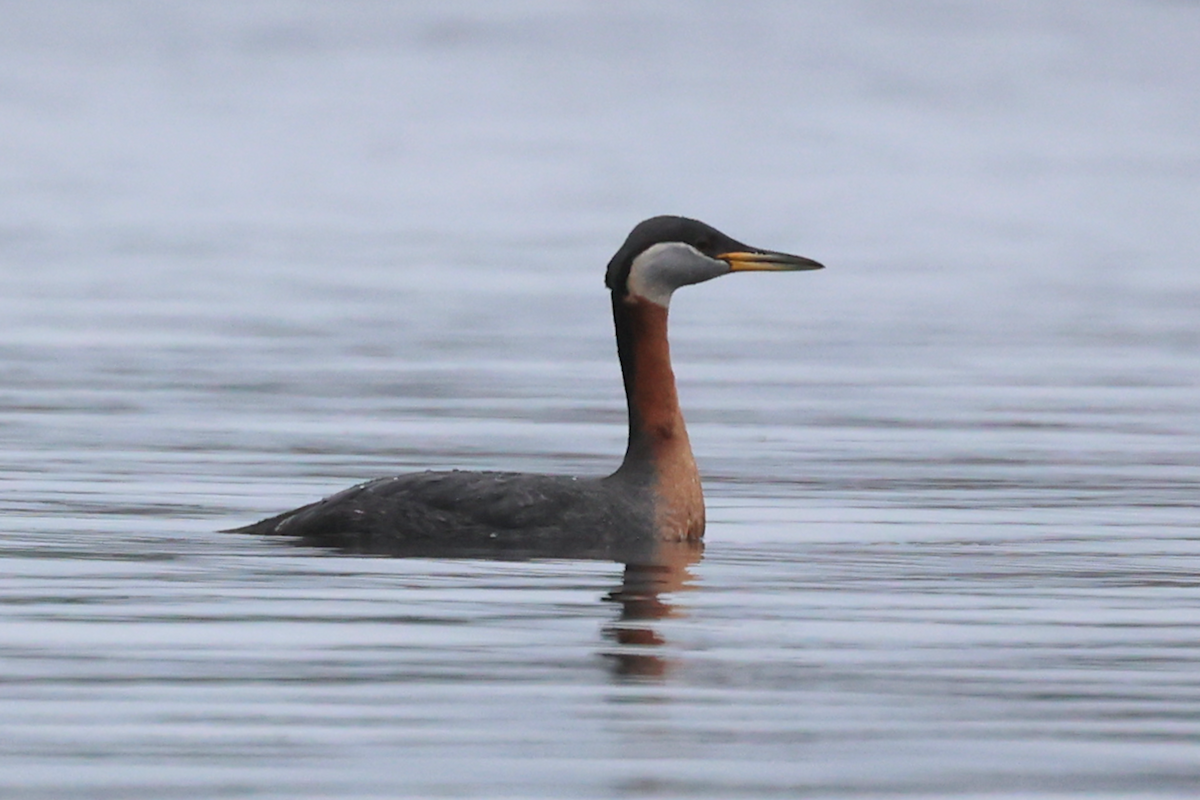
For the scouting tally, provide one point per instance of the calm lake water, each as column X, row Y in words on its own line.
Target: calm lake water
column 253, row 253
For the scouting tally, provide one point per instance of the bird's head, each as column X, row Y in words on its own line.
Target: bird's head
column 663, row 253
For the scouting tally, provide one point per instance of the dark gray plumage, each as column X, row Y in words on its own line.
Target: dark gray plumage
column 476, row 513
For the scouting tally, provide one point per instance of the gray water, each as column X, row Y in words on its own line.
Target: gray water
column 251, row 253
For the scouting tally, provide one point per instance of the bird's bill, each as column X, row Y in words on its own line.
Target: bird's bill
column 760, row 260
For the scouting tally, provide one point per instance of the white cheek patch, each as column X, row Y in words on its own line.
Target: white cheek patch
column 664, row 267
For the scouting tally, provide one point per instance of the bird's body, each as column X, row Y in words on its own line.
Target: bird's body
column 654, row 496
column 475, row 513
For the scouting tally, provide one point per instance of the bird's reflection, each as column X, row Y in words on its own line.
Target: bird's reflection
column 641, row 596
column 654, row 570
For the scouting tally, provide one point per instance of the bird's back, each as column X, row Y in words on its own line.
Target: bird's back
column 488, row 513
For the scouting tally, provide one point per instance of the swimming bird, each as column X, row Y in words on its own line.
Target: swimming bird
column 652, row 497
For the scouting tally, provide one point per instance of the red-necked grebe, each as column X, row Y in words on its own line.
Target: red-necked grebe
column 653, row 496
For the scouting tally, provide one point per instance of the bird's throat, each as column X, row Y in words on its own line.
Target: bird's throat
column 659, row 450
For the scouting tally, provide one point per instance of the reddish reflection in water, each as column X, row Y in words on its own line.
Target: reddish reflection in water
column 641, row 596
column 654, row 570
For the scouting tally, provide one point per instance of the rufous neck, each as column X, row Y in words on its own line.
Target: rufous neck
column 659, row 454
column 654, row 415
